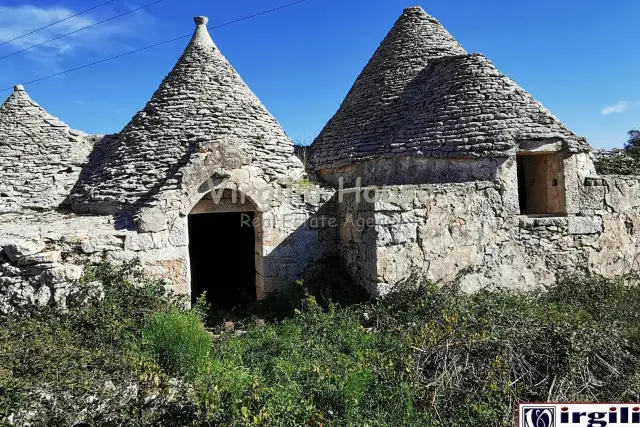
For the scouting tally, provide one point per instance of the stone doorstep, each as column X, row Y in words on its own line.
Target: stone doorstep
column 530, row 221
column 40, row 258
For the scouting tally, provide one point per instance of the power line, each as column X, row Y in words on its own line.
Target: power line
column 57, row 22
column 157, row 44
column 82, row 29
column 100, row 62
column 259, row 14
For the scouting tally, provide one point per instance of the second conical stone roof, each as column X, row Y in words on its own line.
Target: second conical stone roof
column 367, row 112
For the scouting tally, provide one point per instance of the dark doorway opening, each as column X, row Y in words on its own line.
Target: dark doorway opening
column 222, row 258
column 541, row 189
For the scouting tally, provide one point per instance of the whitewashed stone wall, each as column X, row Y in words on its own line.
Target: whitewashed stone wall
column 451, row 232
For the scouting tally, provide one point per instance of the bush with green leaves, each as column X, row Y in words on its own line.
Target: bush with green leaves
column 58, row 369
column 617, row 162
column 321, row 355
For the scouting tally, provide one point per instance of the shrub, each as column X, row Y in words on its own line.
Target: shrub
column 620, row 162
column 130, row 298
column 422, row 356
column 477, row 356
column 329, row 285
column 179, row 341
column 317, row 367
column 88, row 365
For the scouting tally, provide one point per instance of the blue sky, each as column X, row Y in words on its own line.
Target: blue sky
column 579, row 58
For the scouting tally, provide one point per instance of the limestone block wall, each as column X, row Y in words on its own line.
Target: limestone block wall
column 42, row 257
column 290, row 209
column 424, row 170
column 42, row 254
column 413, row 170
column 461, row 232
column 297, row 237
column 616, row 199
column 358, row 238
column 294, row 231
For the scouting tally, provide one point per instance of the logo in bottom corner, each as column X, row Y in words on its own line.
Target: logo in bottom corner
column 539, row 416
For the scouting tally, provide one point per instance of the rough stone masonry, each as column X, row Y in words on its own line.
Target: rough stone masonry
column 468, row 178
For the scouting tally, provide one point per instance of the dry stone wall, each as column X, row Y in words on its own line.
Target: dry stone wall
column 42, row 255
column 297, row 237
column 293, row 230
column 461, row 232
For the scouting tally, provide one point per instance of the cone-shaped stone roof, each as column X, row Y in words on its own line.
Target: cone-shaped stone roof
column 462, row 106
column 202, row 107
column 422, row 95
column 40, row 157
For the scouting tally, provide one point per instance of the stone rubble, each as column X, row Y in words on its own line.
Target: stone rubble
column 42, row 257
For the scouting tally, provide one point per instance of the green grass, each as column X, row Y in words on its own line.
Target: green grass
column 179, row 342
column 322, row 354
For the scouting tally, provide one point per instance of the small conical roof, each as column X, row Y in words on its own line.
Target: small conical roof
column 202, row 108
column 40, row 156
column 415, row 39
column 22, row 111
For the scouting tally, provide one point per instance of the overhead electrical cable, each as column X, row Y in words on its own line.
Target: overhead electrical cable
column 56, row 22
column 156, row 44
column 81, row 29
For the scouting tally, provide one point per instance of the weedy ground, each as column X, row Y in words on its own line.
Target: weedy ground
column 322, row 354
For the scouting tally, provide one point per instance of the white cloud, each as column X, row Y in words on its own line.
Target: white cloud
column 620, row 107
column 18, row 20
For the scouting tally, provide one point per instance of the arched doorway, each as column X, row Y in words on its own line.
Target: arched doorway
column 225, row 250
